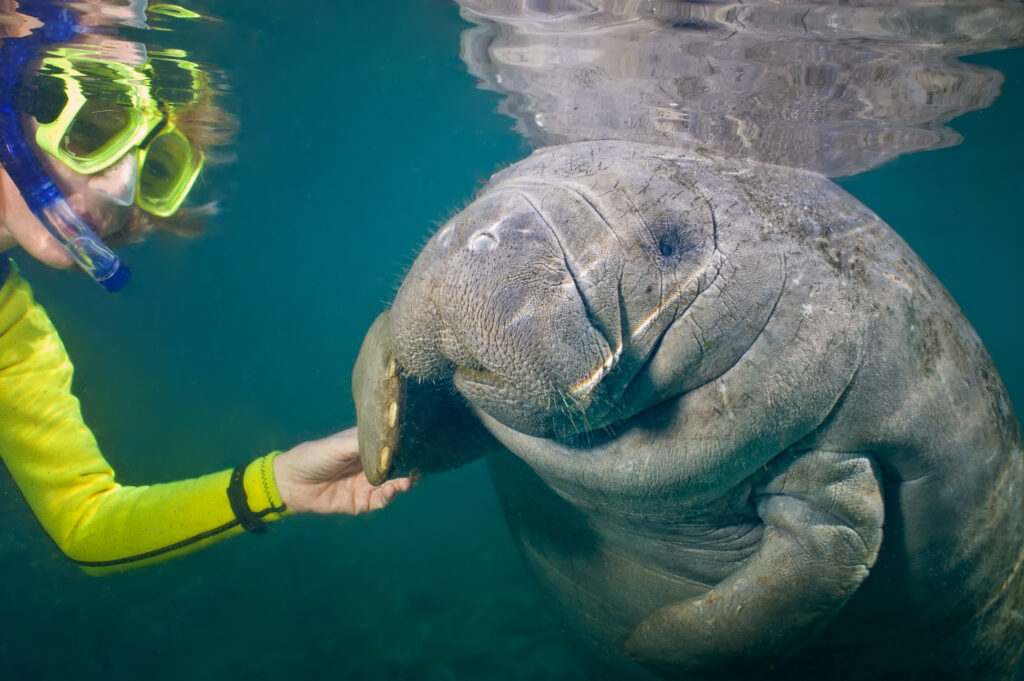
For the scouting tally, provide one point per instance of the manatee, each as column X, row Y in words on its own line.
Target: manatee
column 738, row 428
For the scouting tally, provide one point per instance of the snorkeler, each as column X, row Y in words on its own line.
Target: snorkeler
column 99, row 145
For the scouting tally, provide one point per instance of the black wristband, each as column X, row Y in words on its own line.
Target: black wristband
column 239, row 501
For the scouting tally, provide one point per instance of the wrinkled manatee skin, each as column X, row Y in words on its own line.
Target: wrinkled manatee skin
column 738, row 428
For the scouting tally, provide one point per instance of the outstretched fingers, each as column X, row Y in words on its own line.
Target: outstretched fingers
column 375, row 498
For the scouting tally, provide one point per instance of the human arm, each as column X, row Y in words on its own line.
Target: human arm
column 102, row 525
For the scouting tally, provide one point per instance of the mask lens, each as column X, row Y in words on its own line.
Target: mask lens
column 107, row 111
column 97, row 123
column 169, row 168
column 168, row 158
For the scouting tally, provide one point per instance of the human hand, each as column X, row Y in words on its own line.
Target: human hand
column 20, row 227
column 326, row 476
column 102, row 200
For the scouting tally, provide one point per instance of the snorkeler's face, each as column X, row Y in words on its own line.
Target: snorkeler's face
column 102, row 200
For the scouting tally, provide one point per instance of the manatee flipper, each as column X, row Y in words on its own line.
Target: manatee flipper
column 402, row 421
column 823, row 515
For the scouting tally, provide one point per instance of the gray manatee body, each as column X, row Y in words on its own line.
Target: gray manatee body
column 737, row 426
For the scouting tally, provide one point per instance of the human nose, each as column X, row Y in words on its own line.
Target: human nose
column 117, row 183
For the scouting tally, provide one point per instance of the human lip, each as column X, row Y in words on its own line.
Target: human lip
column 99, row 221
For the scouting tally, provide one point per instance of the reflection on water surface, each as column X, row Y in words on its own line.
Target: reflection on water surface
column 838, row 89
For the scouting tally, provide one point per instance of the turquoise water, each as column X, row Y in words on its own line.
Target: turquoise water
column 360, row 128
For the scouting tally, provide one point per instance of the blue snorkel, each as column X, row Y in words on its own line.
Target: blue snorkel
column 42, row 196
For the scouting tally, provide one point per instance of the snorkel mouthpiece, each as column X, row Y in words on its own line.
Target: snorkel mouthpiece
column 42, row 196
column 84, row 247
column 48, row 204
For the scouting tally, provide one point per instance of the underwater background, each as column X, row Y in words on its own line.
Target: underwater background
column 360, row 130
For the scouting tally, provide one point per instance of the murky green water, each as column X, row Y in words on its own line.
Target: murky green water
column 360, row 128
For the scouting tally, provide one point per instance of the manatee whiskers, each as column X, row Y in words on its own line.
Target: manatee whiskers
column 581, row 389
column 571, row 408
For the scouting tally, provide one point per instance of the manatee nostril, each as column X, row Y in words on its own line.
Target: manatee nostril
column 483, row 241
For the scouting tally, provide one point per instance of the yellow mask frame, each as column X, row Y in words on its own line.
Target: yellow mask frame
column 168, row 165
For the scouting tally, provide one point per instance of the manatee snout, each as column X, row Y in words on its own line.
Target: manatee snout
column 491, row 305
column 409, row 427
column 488, row 318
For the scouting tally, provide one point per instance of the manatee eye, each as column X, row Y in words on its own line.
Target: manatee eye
column 691, row 25
column 673, row 240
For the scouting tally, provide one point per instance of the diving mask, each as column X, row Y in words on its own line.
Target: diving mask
column 91, row 112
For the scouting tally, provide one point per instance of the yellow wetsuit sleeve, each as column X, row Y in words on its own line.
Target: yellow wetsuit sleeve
column 55, row 461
